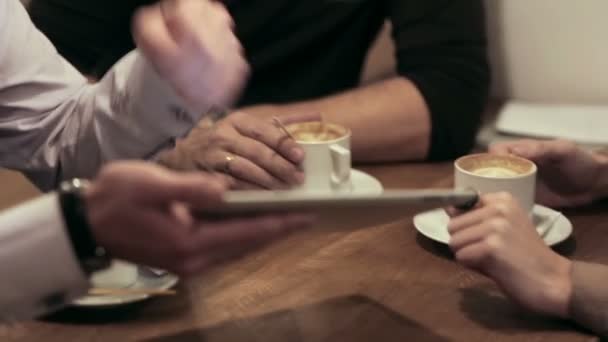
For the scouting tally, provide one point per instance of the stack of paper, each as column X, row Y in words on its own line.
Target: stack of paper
column 582, row 123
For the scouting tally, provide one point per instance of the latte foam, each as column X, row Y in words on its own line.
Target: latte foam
column 495, row 172
column 311, row 132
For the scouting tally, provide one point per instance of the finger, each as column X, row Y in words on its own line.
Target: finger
column 555, row 151
column 470, row 219
column 231, row 182
column 242, row 185
column 453, row 212
column 489, row 206
column 238, row 231
column 468, row 236
column 181, row 213
column 243, row 169
column 522, row 148
column 289, row 119
column 272, row 136
column 473, row 256
column 268, row 159
column 153, row 229
column 196, row 189
column 182, row 19
column 500, row 148
column 153, row 37
column 539, row 151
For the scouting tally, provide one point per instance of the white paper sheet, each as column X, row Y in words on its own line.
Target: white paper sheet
column 585, row 124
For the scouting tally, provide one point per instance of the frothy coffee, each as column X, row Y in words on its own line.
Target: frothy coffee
column 495, row 172
column 495, row 166
column 310, row 132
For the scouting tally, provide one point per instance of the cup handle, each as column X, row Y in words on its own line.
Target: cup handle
column 341, row 162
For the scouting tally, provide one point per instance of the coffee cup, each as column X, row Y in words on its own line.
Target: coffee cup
column 327, row 164
column 490, row 173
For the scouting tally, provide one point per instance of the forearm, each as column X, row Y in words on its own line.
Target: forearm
column 589, row 299
column 389, row 119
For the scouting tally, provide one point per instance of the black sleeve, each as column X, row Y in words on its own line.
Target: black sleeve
column 441, row 48
column 92, row 35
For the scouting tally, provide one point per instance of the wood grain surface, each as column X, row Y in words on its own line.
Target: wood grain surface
column 384, row 283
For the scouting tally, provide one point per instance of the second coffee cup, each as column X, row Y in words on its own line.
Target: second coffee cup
column 489, row 173
column 327, row 165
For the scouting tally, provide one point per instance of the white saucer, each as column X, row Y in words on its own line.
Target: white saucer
column 364, row 183
column 551, row 225
column 146, row 279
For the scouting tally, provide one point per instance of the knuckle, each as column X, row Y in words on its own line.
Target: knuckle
column 493, row 244
column 220, row 137
column 263, row 157
column 486, row 254
column 216, row 141
column 501, row 208
column 498, row 225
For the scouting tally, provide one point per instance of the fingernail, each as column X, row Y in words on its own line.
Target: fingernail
column 296, row 154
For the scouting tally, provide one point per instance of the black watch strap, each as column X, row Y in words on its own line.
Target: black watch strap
column 91, row 256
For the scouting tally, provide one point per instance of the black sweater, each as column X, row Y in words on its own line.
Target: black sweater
column 304, row 49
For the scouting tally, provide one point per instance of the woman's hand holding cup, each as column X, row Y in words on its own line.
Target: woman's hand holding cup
column 568, row 175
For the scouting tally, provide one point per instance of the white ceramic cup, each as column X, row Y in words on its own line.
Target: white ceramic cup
column 489, row 173
column 327, row 165
column 121, row 274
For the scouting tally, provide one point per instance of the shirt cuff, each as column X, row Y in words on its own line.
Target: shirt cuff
column 144, row 109
column 154, row 103
column 38, row 268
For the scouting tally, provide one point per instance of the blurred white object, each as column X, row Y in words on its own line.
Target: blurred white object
column 550, row 51
column 545, row 53
column 585, row 124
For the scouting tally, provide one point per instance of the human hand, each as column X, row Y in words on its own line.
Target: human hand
column 192, row 45
column 142, row 213
column 567, row 175
column 253, row 153
column 499, row 240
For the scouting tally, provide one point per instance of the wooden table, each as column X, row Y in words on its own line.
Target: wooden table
column 385, row 283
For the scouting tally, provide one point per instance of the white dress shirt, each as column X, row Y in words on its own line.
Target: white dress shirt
column 54, row 125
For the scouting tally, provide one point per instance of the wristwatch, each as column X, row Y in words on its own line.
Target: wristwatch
column 91, row 256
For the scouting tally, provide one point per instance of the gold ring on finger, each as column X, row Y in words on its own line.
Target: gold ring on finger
column 228, row 159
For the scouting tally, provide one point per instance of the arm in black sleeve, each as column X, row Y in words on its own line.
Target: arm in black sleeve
column 441, row 48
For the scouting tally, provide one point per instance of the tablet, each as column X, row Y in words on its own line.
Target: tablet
column 243, row 202
column 339, row 211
